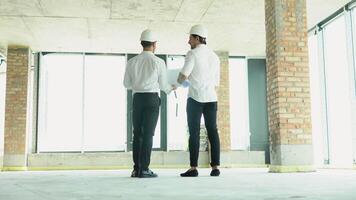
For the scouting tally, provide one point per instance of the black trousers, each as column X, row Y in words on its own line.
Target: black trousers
column 145, row 115
column 195, row 110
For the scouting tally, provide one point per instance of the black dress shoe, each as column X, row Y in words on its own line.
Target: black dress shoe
column 215, row 172
column 190, row 173
column 134, row 173
column 147, row 174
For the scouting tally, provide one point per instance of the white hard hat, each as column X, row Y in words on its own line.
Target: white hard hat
column 199, row 30
column 148, row 35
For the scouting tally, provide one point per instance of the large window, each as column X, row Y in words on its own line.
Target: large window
column 156, row 143
column 319, row 135
column 61, row 102
column 353, row 19
column 104, row 103
column 159, row 138
column 239, row 113
column 30, row 108
column 178, row 133
column 353, row 26
column 2, row 104
column 338, row 90
column 82, row 103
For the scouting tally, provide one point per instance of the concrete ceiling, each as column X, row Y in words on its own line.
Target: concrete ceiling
column 114, row 26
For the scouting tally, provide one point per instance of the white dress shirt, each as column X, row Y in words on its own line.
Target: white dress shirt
column 146, row 73
column 202, row 67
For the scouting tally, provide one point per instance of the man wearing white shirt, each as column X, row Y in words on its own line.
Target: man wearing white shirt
column 145, row 75
column 202, row 69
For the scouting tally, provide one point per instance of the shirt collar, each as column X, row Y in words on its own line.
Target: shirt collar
column 147, row 52
column 200, row 46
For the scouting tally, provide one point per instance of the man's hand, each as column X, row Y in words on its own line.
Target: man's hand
column 181, row 78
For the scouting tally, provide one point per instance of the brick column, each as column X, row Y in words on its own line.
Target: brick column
column 288, row 93
column 18, row 61
column 224, row 102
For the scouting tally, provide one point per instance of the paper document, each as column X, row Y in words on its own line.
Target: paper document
column 172, row 76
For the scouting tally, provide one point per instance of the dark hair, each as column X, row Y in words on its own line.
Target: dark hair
column 146, row 44
column 201, row 39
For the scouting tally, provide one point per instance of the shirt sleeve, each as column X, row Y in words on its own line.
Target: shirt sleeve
column 162, row 78
column 127, row 78
column 188, row 64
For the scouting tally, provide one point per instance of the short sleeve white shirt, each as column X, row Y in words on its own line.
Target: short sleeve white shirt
column 202, row 67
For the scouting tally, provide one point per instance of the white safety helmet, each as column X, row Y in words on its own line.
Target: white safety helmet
column 148, row 35
column 199, row 30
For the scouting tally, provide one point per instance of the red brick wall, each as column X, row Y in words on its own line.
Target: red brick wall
column 224, row 102
column 287, row 72
column 16, row 100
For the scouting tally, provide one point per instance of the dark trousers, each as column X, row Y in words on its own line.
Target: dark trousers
column 195, row 110
column 145, row 115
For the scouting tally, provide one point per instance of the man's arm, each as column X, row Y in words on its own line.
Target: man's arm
column 187, row 68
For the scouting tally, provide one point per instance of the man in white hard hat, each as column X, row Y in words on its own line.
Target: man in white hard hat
column 202, row 70
column 145, row 75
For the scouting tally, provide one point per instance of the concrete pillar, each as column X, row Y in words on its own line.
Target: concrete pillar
column 288, row 93
column 224, row 102
column 18, row 62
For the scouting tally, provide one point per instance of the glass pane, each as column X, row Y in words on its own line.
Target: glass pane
column 2, row 105
column 338, row 93
column 105, row 103
column 177, row 117
column 60, row 103
column 316, row 97
column 157, row 136
column 239, row 114
column 29, row 122
column 354, row 84
column 354, row 50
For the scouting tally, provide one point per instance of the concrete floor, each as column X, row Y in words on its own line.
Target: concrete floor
column 234, row 184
